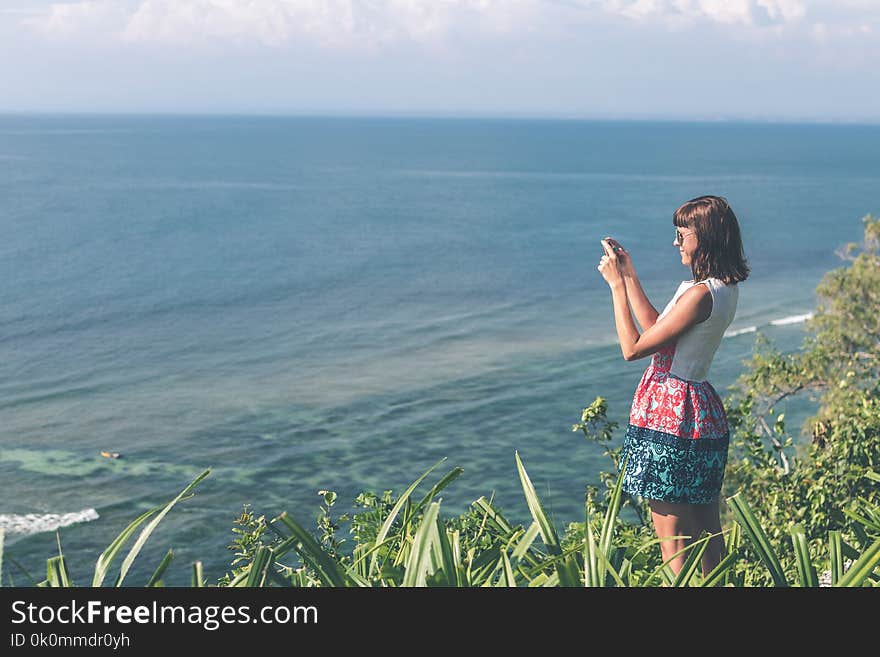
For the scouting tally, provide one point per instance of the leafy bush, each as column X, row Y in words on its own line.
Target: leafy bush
column 819, row 484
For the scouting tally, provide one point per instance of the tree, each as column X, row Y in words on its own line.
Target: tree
column 839, row 364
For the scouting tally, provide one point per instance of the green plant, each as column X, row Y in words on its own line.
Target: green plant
column 817, row 484
column 250, row 535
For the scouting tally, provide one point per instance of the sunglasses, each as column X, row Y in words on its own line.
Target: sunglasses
column 679, row 236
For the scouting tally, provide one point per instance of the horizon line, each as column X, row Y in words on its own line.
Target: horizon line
column 489, row 116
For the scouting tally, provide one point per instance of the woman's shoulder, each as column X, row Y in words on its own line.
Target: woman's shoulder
column 712, row 282
column 696, row 295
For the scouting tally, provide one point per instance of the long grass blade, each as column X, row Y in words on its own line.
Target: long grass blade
column 316, row 558
column 418, row 562
column 509, row 578
column 647, row 544
column 867, row 515
column 606, row 533
column 733, row 539
column 569, row 571
column 611, row 514
column 386, row 525
column 863, row 567
column 539, row 580
column 488, row 580
column 198, row 576
column 835, row 555
column 525, row 542
column 360, row 555
column 806, row 571
column 359, row 563
column 455, row 538
column 719, row 572
column 257, row 572
column 493, row 517
column 663, row 570
column 151, row 526
column 406, row 514
column 591, row 560
column 443, row 554
column 552, row 580
column 239, row 580
column 692, row 563
column 609, row 569
column 156, row 578
column 405, row 538
column 616, row 561
column 447, row 479
column 56, row 573
column 755, row 532
column 482, row 566
column 548, row 532
column 102, row 567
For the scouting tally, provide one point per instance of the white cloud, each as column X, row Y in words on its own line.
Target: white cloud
column 78, row 19
column 746, row 12
column 270, row 23
column 280, row 22
column 376, row 23
column 825, row 34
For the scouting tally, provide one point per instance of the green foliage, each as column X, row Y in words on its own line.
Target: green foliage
column 597, row 428
column 327, row 525
column 603, row 551
column 815, row 485
column 365, row 525
column 250, row 535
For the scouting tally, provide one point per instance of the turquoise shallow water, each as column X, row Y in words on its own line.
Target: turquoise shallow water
column 312, row 303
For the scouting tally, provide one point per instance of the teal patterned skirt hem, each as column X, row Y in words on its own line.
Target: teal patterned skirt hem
column 662, row 466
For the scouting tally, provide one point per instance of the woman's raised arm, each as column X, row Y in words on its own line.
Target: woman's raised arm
column 645, row 312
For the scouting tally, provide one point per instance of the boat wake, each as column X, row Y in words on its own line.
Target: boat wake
column 34, row 523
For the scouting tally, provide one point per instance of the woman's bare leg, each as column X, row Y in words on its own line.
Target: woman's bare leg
column 708, row 517
column 672, row 520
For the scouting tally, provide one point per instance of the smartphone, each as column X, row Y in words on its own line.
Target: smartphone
column 615, row 245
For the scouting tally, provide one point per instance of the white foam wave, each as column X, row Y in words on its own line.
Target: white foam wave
column 747, row 329
column 793, row 319
column 34, row 523
column 782, row 321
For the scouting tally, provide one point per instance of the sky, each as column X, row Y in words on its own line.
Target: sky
column 764, row 60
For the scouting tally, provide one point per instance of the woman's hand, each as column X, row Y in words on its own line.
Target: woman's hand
column 609, row 265
column 624, row 261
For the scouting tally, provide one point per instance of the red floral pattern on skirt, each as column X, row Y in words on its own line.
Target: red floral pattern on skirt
column 687, row 409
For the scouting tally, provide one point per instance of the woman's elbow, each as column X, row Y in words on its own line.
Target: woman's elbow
column 635, row 352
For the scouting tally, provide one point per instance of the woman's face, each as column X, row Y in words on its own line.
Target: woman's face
column 686, row 241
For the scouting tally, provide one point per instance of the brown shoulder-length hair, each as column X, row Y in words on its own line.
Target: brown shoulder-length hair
column 719, row 251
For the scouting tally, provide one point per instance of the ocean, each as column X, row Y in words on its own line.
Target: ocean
column 305, row 304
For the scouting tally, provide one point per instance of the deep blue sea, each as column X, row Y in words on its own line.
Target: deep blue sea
column 305, row 304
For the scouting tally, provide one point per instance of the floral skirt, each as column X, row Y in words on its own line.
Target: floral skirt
column 676, row 440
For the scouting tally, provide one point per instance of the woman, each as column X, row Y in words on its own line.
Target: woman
column 677, row 438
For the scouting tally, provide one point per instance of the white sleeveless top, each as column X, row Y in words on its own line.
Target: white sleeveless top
column 697, row 346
